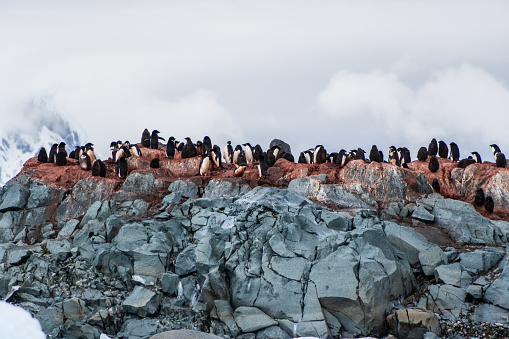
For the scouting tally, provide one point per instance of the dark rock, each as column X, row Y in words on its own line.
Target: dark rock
column 186, row 189
column 281, row 144
column 141, row 183
column 15, row 198
column 251, row 319
column 184, row 334
column 169, row 283
column 186, row 261
column 141, row 302
column 414, row 323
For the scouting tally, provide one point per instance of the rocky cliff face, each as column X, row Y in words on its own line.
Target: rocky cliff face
column 309, row 250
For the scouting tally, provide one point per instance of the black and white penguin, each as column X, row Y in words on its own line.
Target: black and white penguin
column 205, row 164
column 90, row 152
column 381, row 156
column 154, row 163
column 42, row 156
column 154, row 139
column 189, row 150
column 495, row 149
column 489, row 204
column 455, row 151
column 333, row 157
column 179, row 146
column 342, row 158
column 443, row 150
column 435, row 185
column 287, row 156
column 359, row 154
column 114, row 149
column 99, row 169
column 228, row 152
column 241, row 159
column 121, row 168
column 374, row 154
column 248, row 149
column 206, row 145
column 236, row 153
column 262, row 167
column 133, row 149
column 85, row 162
column 477, row 157
column 61, row 157
column 433, row 147
column 393, row 156
column 500, row 160
column 120, row 153
column 53, row 153
column 170, row 148
column 275, row 150
column 433, row 164
column 257, row 152
column 479, row 197
column 463, row 163
column 320, row 155
column 200, row 148
column 422, row 154
column 269, row 157
column 76, row 153
column 309, row 155
column 145, row 138
column 239, row 170
column 404, row 156
column 215, row 155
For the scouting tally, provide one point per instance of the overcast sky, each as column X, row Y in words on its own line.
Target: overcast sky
column 344, row 74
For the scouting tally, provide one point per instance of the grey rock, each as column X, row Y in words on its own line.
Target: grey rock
column 273, row 332
column 44, row 196
column 453, row 274
column 431, row 258
column 224, row 189
column 142, row 183
column 475, row 291
column 59, row 249
column 491, row 314
column 415, row 322
column 76, row 330
column 68, row 228
column 281, row 144
column 91, row 213
column 184, row 334
column 74, row 308
column 448, row 300
column 172, row 198
column 498, row 292
column 141, row 302
column 169, row 283
column 130, row 237
column 481, row 260
column 50, row 318
column 406, row 240
column 18, row 255
column 140, row 328
column 15, row 198
column 9, row 224
column 113, row 225
column 420, row 213
column 186, row 189
column 224, row 312
column 150, row 260
column 291, row 268
column 186, row 261
column 251, row 319
column 430, row 335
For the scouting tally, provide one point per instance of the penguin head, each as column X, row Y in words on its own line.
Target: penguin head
column 228, row 142
column 155, row 132
column 127, row 144
column 88, row 145
column 171, row 139
column 62, row 145
column 113, row 145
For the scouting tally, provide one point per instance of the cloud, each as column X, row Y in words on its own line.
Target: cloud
column 464, row 104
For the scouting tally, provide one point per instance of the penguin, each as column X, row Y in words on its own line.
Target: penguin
column 443, row 150
column 287, row 156
column 85, row 162
column 241, row 159
column 463, row 163
column 477, row 157
column 99, row 169
column 433, row 147
column 228, row 152
column 133, row 149
column 145, row 138
column 205, row 164
column 76, row 153
column 422, row 154
column 53, row 153
column 393, row 156
column 310, row 156
column 489, row 205
column 236, row 153
column 207, row 145
column 154, row 139
column 121, row 168
column 215, row 156
column 248, row 149
column 114, row 149
column 90, row 152
column 200, row 148
column 262, row 167
column 479, row 197
column 120, row 154
column 275, row 150
column 257, row 152
column 500, row 160
column 381, row 156
column 433, row 164
column 239, row 170
column 320, row 155
column 332, row 158
column 42, row 156
column 154, row 163
column 404, row 156
column 189, row 150
column 170, row 148
column 270, row 159
column 179, row 146
column 341, row 159
column 374, row 154
column 455, row 152
column 72, row 155
column 435, row 185
column 495, row 149
column 61, row 157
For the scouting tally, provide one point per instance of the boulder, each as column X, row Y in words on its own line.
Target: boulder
column 453, row 274
column 74, row 309
column 50, row 318
column 68, row 228
column 414, row 323
column 281, row 144
column 481, row 260
column 448, row 300
column 224, row 189
column 186, row 189
column 186, row 261
column 169, row 283
column 141, row 302
column 15, row 198
column 406, row 240
column 498, row 292
column 140, row 328
column 251, row 319
column 150, row 259
column 142, row 183
column 486, row 313
column 184, row 334
column 431, row 258
column 422, row 214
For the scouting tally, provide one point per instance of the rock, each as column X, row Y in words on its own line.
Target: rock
column 81, row 331
column 140, row 328
column 448, row 300
column 339, row 221
column 453, row 274
column 15, row 198
column 481, row 260
column 224, row 312
column 169, row 283
column 184, row 334
column 406, row 240
column 44, row 196
column 273, row 332
column 150, row 259
column 414, row 323
column 420, row 213
column 498, row 292
column 60, row 250
column 68, row 228
column 9, row 226
column 251, row 319
column 131, row 236
column 491, row 314
column 18, row 256
column 91, row 213
column 172, row 198
column 50, row 318
column 141, row 302
column 431, row 258
column 186, row 261
column 224, row 189
column 74, row 309
column 142, row 183
column 186, row 189
column 475, row 291
column 281, row 144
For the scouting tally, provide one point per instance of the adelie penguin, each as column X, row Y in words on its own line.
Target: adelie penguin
column 393, row 156
column 206, row 164
column 99, row 169
column 154, row 139
column 145, row 138
column 374, row 154
column 435, row 185
column 215, row 154
column 422, row 154
column 154, row 163
column 320, row 155
column 302, row 158
column 455, row 152
column 433, row 147
column 342, row 158
column 61, row 157
column 248, row 150
column 433, row 164
column 239, row 170
column 477, row 157
column 85, row 162
column 359, row 154
column 206, row 145
column 189, row 150
column 443, row 150
column 463, row 163
column 495, row 149
column 170, row 148
column 257, row 152
column 489, row 204
column 228, row 152
column 42, row 156
column 121, row 168
column 479, row 198
column 236, row 153
column 90, row 151
column 404, row 156
column 53, row 153
column 133, row 149
column 500, row 160
column 262, row 167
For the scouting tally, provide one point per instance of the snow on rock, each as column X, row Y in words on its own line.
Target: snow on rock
column 17, row 323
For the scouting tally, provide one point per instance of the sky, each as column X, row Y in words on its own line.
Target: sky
column 344, row 74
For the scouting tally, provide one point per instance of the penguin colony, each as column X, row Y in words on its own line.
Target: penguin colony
column 245, row 155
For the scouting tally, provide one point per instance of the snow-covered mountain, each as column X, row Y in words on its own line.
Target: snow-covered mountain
column 38, row 124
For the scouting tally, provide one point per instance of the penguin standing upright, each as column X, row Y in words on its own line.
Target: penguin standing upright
column 145, row 138
column 433, row 147
column 359, row 154
column 489, row 204
column 341, row 159
column 435, row 185
column 154, row 139
column 241, row 159
column 495, row 149
column 61, row 157
column 455, row 152
column 500, row 160
column 121, row 168
column 205, row 164
column 42, row 156
column 404, row 156
column 133, row 149
column 114, row 149
column 320, row 155
column 189, row 150
column 433, row 164
column 302, row 158
column 248, row 149
column 99, row 169
column 393, row 156
column 236, row 153
column 477, row 157
column 228, row 152
column 85, row 162
column 206, row 145
column 53, row 153
column 374, row 154
column 443, row 150
column 257, row 152
column 90, row 152
column 262, row 167
column 170, row 148
column 479, row 197
column 422, row 154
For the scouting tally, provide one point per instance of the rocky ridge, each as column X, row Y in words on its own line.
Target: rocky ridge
column 308, row 250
